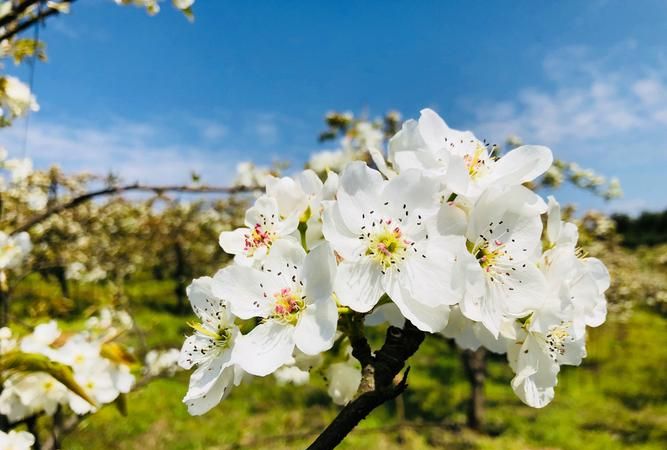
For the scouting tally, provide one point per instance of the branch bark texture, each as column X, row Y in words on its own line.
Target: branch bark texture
column 378, row 383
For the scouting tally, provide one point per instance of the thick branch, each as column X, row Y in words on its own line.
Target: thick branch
column 398, row 346
column 83, row 198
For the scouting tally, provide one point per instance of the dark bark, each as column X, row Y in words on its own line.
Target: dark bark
column 474, row 364
column 377, row 384
column 181, row 279
column 4, row 307
column 15, row 24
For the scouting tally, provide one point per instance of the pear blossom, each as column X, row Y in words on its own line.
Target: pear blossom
column 329, row 160
column 443, row 234
column 15, row 97
column 303, row 195
column 13, row 249
column 159, row 362
column 41, row 338
column 16, row 440
column 292, row 375
column 7, row 340
column 250, row 176
column 379, row 229
column 19, row 169
column 212, row 348
column 25, row 394
column 464, row 163
column 471, row 335
column 504, row 238
column 96, row 379
column 536, row 357
column 291, row 292
column 264, row 226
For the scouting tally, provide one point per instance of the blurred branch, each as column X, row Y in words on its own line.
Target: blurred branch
column 15, row 22
column 377, row 385
column 137, row 187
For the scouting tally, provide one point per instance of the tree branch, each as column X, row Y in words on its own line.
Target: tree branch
column 137, row 187
column 22, row 26
column 377, row 385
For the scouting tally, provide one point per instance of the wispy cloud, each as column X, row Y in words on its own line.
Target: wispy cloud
column 595, row 111
column 586, row 101
column 135, row 151
column 163, row 150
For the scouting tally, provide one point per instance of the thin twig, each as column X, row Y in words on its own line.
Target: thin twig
column 137, row 187
column 22, row 26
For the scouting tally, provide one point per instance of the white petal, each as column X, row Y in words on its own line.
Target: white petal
column 380, row 163
column 284, row 251
column 431, row 319
column 248, row 290
column 433, row 277
column 432, row 128
column 460, row 329
column 262, row 212
column 408, row 192
column 387, row 313
column 288, row 194
column 267, row 347
column 599, row 272
column 343, row 241
column 208, row 372
column 317, row 327
column 553, row 219
column 206, row 305
column 451, row 220
column 233, row 242
column 522, row 164
column 358, row 193
column 358, row 284
column 319, row 272
column 202, row 403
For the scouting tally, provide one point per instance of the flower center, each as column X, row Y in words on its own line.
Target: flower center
column 221, row 338
column 488, row 257
column 288, row 306
column 257, row 238
column 556, row 339
column 476, row 162
column 387, row 247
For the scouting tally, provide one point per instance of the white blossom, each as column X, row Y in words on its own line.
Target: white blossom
column 379, row 229
column 292, row 294
column 16, row 440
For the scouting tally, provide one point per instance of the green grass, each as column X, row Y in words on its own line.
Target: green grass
column 616, row 400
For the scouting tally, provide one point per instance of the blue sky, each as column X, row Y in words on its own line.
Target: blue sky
column 155, row 97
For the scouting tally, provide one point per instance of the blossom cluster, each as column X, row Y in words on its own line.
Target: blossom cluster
column 16, row 100
column 153, row 6
column 100, row 367
column 441, row 232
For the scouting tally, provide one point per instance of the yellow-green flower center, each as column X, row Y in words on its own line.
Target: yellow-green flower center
column 222, row 337
column 476, row 162
column 387, row 246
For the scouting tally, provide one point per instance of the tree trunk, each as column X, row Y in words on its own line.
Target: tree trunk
column 475, row 368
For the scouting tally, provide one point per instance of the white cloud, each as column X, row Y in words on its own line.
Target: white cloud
column 586, row 101
column 135, row 151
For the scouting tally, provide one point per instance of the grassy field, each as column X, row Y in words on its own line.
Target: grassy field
column 616, row 400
